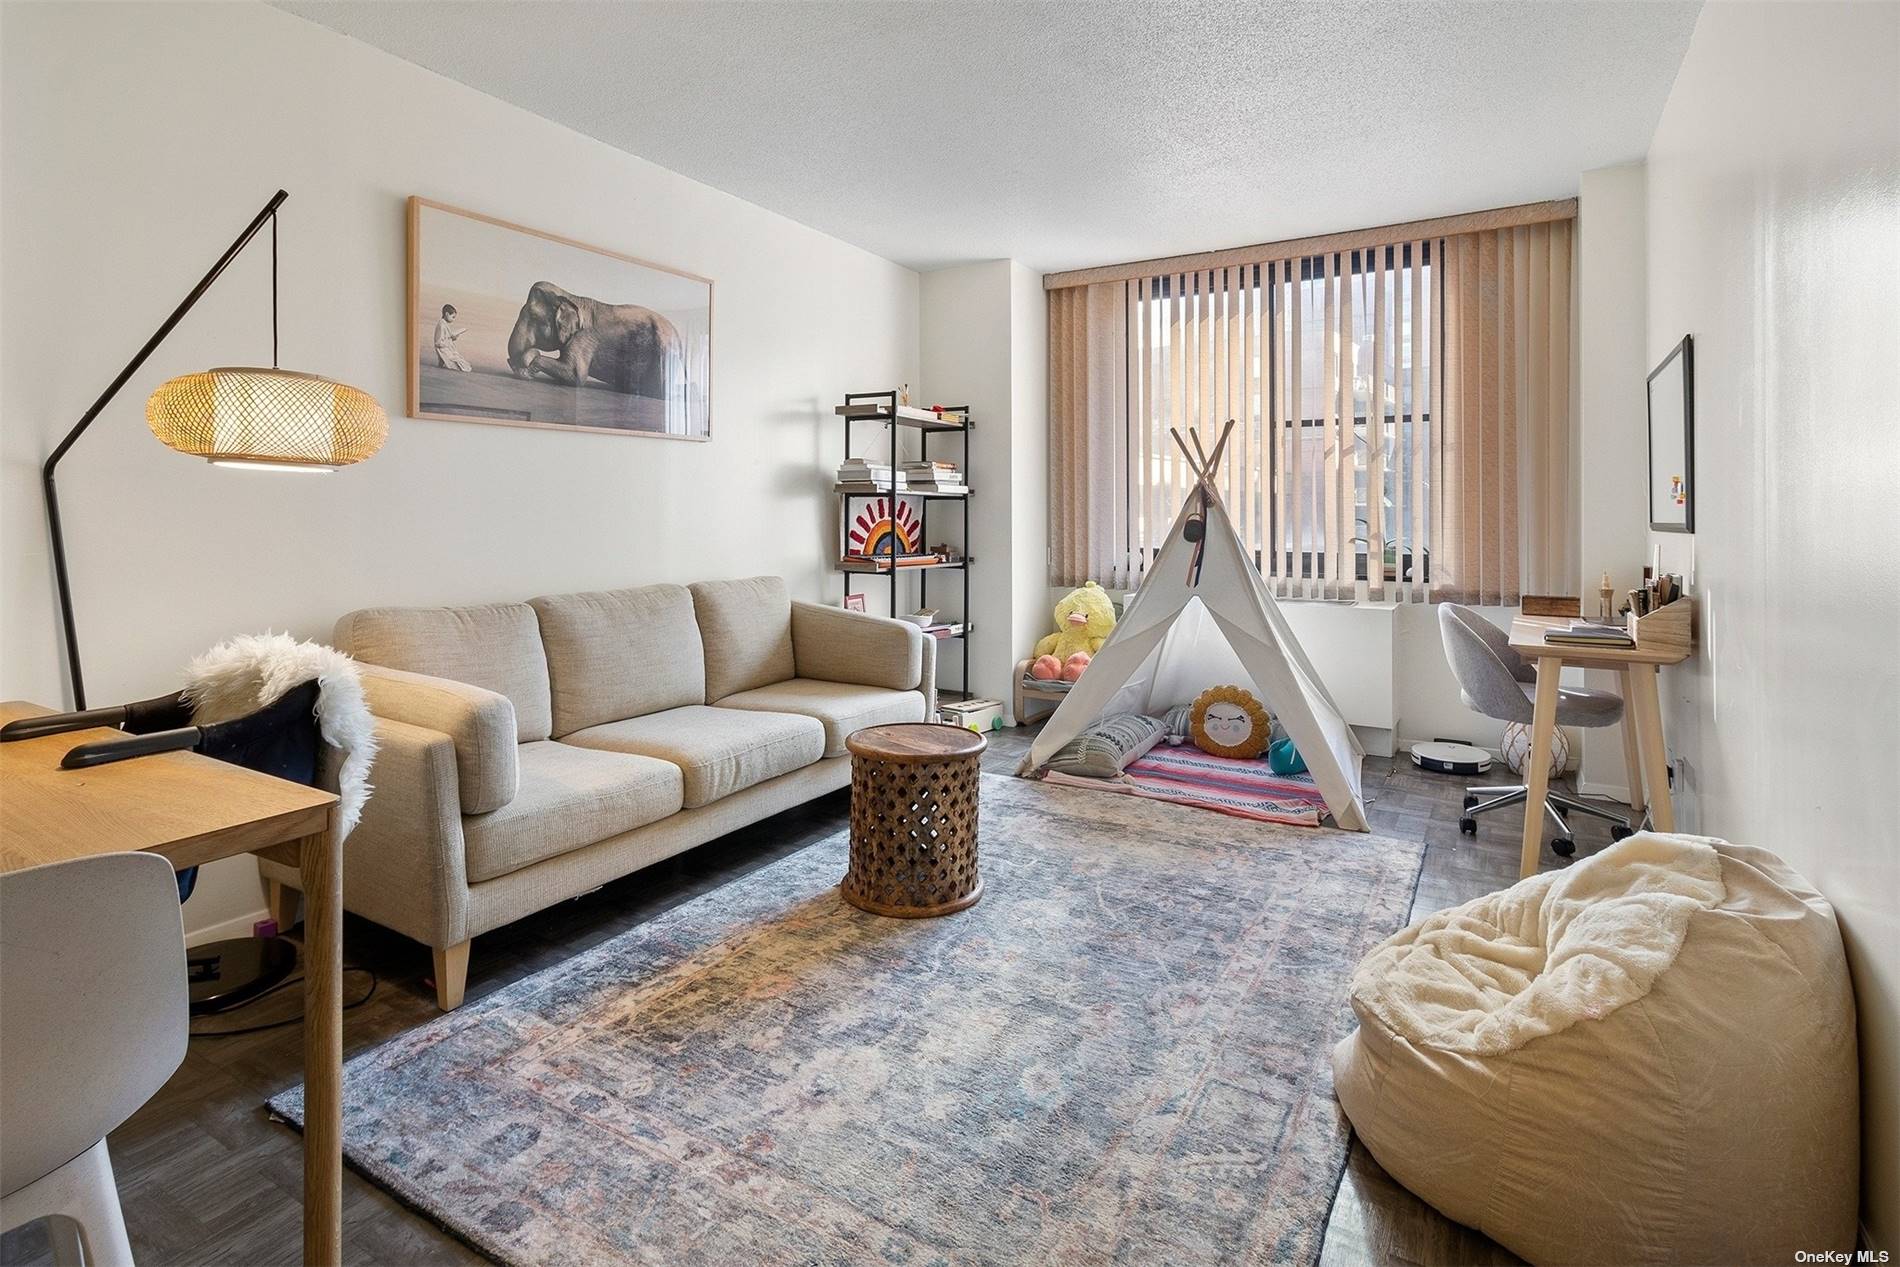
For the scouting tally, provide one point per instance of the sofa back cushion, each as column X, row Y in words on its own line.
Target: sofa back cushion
column 747, row 630
column 496, row 647
column 620, row 653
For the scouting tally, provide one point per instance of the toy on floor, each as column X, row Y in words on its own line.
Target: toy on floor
column 1228, row 721
column 1084, row 619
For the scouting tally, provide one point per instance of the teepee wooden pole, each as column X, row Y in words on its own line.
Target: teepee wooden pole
column 1192, row 464
column 1213, row 465
column 1194, row 434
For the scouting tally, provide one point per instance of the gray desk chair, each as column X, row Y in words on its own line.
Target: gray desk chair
column 1501, row 684
column 92, row 1023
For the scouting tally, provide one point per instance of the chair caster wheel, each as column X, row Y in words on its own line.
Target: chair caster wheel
column 1469, row 826
column 1620, row 832
column 1470, row 800
column 1563, row 846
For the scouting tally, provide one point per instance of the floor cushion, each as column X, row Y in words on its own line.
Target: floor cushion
column 1647, row 1057
column 840, row 707
column 1105, row 747
column 569, row 797
column 719, row 751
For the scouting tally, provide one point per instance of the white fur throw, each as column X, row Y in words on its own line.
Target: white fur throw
column 238, row 677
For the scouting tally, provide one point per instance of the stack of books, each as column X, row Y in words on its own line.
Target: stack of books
column 1584, row 634
column 933, row 477
column 864, row 475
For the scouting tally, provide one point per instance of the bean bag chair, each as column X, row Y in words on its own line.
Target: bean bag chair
column 1648, row 1057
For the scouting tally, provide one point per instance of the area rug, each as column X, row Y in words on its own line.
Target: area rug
column 1118, row 1056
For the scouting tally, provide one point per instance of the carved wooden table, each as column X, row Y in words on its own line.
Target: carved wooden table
column 913, row 819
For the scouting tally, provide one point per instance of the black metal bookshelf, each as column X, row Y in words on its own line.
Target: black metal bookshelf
column 883, row 408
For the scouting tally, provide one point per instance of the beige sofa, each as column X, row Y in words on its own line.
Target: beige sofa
column 533, row 751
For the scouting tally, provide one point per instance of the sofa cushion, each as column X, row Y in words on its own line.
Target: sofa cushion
column 747, row 629
column 568, row 798
column 620, row 653
column 497, row 647
column 841, row 707
column 719, row 751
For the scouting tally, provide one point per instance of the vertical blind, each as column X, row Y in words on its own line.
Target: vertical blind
column 1403, row 416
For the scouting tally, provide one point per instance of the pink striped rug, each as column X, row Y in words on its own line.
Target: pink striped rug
column 1245, row 789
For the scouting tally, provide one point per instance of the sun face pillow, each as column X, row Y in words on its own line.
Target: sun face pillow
column 1228, row 721
column 1084, row 619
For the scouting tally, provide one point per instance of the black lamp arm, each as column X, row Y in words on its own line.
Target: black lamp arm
column 105, row 398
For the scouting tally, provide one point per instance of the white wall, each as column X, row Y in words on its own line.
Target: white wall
column 984, row 343
column 1612, row 428
column 1774, row 238
column 139, row 139
column 1030, row 617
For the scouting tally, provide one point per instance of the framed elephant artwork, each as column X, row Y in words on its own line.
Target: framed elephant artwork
column 515, row 326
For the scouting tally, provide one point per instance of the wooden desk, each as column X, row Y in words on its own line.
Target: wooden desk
column 1643, row 752
column 194, row 810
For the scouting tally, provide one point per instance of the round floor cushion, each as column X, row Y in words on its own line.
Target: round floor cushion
column 1648, row 1057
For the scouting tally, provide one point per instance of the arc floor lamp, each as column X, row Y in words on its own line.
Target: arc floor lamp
column 268, row 418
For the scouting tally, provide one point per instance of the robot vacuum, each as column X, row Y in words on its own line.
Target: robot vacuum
column 1450, row 758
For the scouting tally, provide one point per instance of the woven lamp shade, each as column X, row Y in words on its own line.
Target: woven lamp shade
column 267, row 417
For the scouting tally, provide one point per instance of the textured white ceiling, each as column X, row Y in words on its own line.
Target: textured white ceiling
column 1066, row 134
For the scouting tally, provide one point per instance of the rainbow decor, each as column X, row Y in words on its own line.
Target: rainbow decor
column 877, row 521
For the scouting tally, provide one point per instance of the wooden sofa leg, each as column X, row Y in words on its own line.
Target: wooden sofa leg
column 283, row 904
column 451, row 975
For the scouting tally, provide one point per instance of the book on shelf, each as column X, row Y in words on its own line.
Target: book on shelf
column 863, row 476
column 882, row 562
column 905, row 413
column 949, row 630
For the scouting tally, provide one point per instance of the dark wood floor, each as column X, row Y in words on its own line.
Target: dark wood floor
column 207, row 1178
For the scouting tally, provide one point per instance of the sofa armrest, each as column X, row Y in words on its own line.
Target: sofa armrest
column 480, row 723
column 405, row 866
column 845, row 646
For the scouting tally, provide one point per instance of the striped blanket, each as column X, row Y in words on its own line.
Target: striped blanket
column 1188, row 776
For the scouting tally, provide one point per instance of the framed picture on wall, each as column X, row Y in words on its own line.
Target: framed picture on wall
column 1672, row 441
column 515, row 326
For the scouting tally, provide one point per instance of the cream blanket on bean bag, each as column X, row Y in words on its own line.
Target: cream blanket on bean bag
column 1648, row 1057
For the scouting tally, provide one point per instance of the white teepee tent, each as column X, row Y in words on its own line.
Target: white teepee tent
column 1202, row 618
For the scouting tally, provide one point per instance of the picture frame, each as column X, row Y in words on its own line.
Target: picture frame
column 854, row 602
column 1671, row 407
column 515, row 326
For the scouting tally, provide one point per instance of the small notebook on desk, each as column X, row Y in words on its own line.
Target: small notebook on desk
column 1585, row 634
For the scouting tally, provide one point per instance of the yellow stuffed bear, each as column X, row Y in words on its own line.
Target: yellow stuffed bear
column 1084, row 619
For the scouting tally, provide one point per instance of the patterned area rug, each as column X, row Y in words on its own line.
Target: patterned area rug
column 1118, row 1056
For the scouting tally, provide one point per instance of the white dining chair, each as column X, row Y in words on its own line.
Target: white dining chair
column 93, row 1017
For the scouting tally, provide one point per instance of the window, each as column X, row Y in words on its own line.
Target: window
column 1345, row 477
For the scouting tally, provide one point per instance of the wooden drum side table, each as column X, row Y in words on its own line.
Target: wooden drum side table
column 913, row 819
